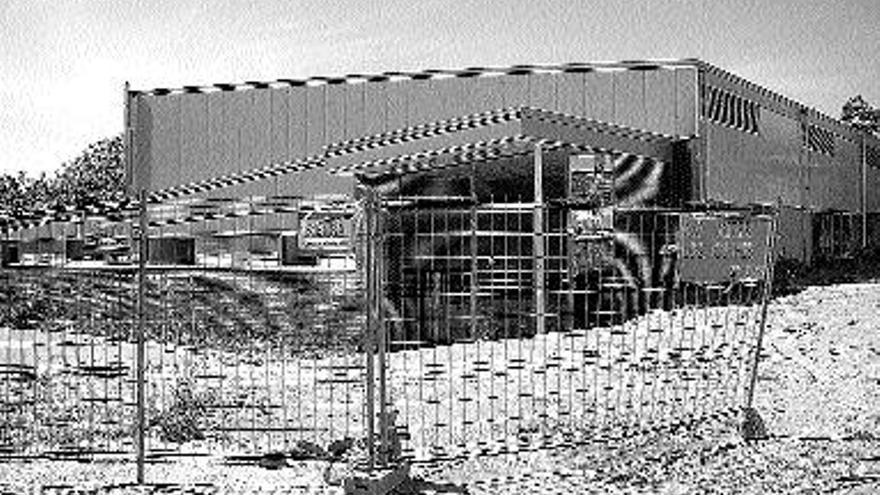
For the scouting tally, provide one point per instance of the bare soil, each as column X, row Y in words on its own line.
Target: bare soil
column 818, row 393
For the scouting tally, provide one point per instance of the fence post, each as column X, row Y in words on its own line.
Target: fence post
column 141, row 326
column 765, row 303
column 538, row 241
column 472, row 299
column 381, row 332
column 369, row 340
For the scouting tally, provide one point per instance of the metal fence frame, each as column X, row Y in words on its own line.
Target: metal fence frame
column 745, row 362
column 384, row 438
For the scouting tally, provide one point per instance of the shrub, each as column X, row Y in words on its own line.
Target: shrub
column 185, row 418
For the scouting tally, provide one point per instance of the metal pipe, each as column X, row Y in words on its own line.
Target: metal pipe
column 369, row 213
column 864, row 194
column 141, row 327
column 381, row 328
column 538, row 251
column 765, row 303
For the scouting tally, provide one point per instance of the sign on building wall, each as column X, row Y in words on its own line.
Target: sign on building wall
column 325, row 232
column 722, row 248
column 590, row 180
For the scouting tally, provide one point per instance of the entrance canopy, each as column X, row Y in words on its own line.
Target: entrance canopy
column 505, row 133
column 476, row 138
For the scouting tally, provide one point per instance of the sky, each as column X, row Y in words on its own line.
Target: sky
column 64, row 63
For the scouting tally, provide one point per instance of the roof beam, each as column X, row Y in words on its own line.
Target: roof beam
column 579, row 131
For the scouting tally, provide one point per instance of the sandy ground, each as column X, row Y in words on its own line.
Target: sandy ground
column 818, row 392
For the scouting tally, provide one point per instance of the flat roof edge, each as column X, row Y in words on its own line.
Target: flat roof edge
column 422, row 74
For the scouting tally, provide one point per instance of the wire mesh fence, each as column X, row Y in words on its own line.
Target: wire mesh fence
column 514, row 325
column 253, row 322
column 396, row 328
column 67, row 379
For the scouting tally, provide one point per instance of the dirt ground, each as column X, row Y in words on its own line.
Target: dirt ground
column 818, row 393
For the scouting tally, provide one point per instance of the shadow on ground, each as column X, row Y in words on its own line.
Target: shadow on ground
column 792, row 276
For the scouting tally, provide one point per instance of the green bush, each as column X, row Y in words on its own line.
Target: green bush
column 186, row 417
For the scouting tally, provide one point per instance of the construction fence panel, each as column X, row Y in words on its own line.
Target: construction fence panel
column 512, row 325
column 67, row 352
column 253, row 328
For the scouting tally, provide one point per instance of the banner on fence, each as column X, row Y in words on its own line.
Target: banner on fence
column 722, row 248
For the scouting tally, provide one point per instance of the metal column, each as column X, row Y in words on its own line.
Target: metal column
column 141, row 328
column 765, row 303
column 538, row 242
column 372, row 317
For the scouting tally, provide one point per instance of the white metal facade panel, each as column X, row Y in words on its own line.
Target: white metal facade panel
column 487, row 93
column 354, row 111
column 831, row 178
column 542, row 91
column 315, row 108
column 239, row 118
column 194, row 137
column 137, row 166
column 744, row 168
column 873, row 185
column 516, row 90
column 296, row 122
column 247, row 134
column 570, row 93
column 794, row 235
column 279, row 125
column 225, row 131
column 374, row 107
column 823, row 177
column 872, row 174
column 448, row 101
column 165, row 158
column 685, row 101
column 424, row 101
column 629, row 98
column 220, row 143
column 660, row 101
column 396, row 105
column 467, row 96
column 599, row 96
column 311, row 182
column 260, row 130
column 334, row 112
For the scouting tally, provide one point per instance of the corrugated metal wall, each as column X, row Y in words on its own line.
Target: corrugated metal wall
column 744, row 168
column 775, row 163
column 185, row 137
column 872, row 172
column 834, row 179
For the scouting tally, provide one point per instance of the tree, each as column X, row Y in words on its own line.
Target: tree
column 861, row 115
column 92, row 178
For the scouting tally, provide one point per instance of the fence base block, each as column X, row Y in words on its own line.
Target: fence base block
column 377, row 481
column 753, row 427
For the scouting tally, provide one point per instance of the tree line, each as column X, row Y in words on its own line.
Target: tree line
column 93, row 177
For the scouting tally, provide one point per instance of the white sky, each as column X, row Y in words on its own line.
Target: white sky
column 63, row 63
